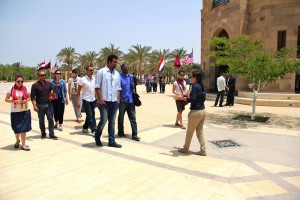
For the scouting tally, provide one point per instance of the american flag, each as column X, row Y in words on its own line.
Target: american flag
column 188, row 59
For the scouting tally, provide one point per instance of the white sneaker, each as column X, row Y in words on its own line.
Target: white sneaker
column 93, row 133
column 85, row 130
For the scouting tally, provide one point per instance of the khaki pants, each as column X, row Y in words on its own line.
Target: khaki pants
column 195, row 122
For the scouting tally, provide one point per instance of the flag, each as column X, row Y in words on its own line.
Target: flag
column 41, row 65
column 177, row 62
column 161, row 63
column 54, row 68
column 48, row 66
column 188, row 59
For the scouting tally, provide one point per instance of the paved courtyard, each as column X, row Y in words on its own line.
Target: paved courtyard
column 266, row 165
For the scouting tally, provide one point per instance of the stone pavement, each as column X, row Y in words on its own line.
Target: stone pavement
column 266, row 165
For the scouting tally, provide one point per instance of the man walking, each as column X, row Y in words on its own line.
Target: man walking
column 108, row 88
column 221, row 89
column 127, row 104
column 40, row 98
column 87, row 85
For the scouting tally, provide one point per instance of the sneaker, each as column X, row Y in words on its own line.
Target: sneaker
column 93, row 133
column 116, row 145
column 182, row 150
column 85, row 130
column 201, row 153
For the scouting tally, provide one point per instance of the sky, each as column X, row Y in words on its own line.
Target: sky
column 32, row 31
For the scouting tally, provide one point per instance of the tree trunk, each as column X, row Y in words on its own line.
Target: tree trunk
column 254, row 104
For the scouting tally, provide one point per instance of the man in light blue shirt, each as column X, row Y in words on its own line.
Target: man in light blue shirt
column 107, row 87
column 127, row 104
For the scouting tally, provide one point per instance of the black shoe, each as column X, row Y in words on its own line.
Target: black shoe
column 116, row 145
column 25, row 148
column 55, row 126
column 17, row 144
column 215, row 105
column 99, row 143
column 43, row 136
column 122, row 135
column 53, row 137
column 220, row 106
column 136, row 138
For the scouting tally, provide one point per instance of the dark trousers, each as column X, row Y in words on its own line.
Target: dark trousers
column 58, row 110
column 160, row 88
column 90, row 120
column 130, row 109
column 154, row 85
column 220, row 94
column 45, row 109
column 163, row 88
column 230, row 98
column 107, row 112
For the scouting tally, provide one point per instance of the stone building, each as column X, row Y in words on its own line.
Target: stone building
column 275, row 22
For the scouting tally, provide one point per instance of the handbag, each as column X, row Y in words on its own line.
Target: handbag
column 136, row 99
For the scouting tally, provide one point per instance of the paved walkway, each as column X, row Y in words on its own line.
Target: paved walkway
column 266, row 165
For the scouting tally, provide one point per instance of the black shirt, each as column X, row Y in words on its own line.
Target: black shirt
column 40, row 92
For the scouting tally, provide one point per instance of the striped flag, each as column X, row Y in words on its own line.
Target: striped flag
column 54, row 68
column 161, row 63
column 41, row 65
column 188, row 59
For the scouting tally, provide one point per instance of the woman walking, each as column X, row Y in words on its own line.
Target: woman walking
column 179, row 89
column 197, row 114
column 20, row 115
column 59, row 89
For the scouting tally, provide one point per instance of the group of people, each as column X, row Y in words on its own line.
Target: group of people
column 151, row 82
column 226, row 87
column 108, row 90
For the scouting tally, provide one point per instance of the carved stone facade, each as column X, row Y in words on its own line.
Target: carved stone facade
column 275, row 22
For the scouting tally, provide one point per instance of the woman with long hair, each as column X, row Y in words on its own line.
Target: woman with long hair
column 59, row 89
column 179, row 89
column 19, row 96
column 196, row 115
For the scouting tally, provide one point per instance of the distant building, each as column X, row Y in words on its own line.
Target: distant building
column 274, row 22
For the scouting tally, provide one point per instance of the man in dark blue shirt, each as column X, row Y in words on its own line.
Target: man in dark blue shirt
column 127, row 104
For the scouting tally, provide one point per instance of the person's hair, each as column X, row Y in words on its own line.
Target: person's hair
column 58, row 70
column 38, row 72
column 74, row 71
column 123, row 65
column 87, row 67
column 18, row 76
column 198, row 76
column 180, row 71
column 111, row 57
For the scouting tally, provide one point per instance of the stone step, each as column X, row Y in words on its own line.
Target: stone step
column 273, row 100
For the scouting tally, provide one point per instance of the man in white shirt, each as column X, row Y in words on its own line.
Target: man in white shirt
column 221, row 89
column 87, row 86
column 108, row 86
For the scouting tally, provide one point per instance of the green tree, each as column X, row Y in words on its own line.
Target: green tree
column 106, row 51
column 140, row 55
column 249, row 59
column 88, row 59
column 68, row 57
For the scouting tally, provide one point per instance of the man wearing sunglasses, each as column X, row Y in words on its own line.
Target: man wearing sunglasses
column 40, row 98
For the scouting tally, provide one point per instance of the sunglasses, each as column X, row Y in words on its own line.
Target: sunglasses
column 91, row 70
column 43, row 75
column 181, row 74
column 58, row 73
column 20, row 81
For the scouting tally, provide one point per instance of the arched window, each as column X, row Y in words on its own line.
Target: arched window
column 216, row 3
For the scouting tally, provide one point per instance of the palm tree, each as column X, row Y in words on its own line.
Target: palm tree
column 105, row 52
column 67, row 56
column 88, row 59
column 139, row 55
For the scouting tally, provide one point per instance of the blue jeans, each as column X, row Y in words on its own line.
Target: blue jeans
column 45, row 109
column 130, row 108
column 90, row 120
column 107, row 112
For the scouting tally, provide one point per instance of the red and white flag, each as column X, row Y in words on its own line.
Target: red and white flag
column 41, row 65
column 188, row 59
column 161, row 63
column 54, row 68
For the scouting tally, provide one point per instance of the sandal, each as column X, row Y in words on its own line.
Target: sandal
column 182, row 127
column 17, row 144
column 182, row 150
column 177, row 124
